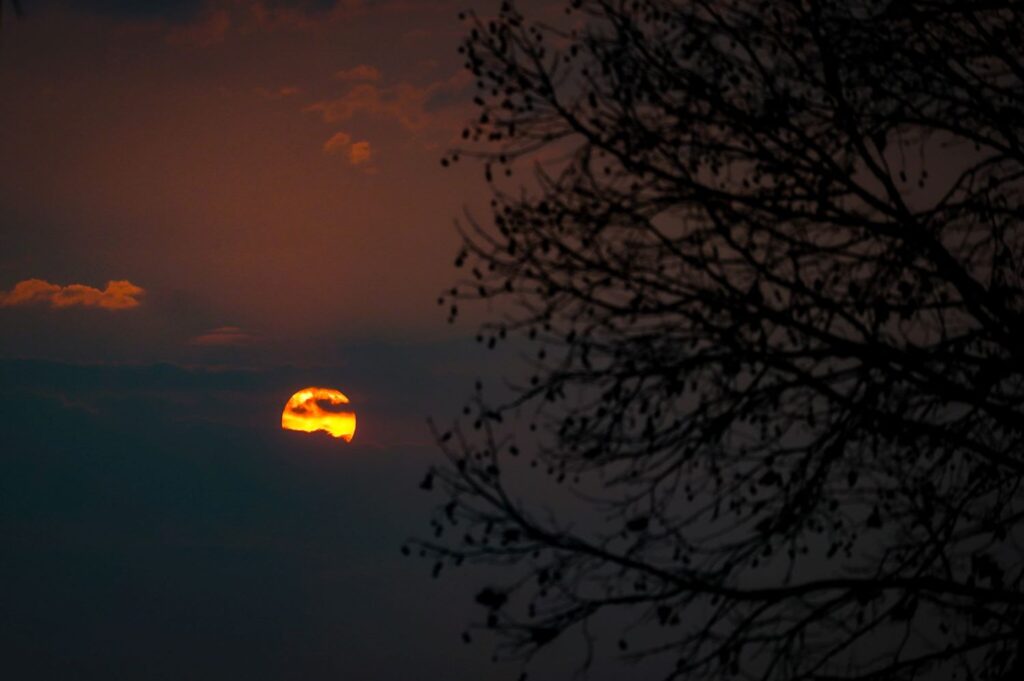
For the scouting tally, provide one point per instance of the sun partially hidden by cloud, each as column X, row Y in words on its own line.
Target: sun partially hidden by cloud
column 119, row 294
column 223, row 336
column 313, row 409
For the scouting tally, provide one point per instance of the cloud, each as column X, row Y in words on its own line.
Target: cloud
column 306, row 412
column 119, row 294
column 341, row 143
column 222, row 336
column 359, row 153
column 357, row 73
column 414, row 107
column 337, row 143
column 279, row 93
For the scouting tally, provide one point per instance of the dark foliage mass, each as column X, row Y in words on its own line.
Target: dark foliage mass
column 770, row 258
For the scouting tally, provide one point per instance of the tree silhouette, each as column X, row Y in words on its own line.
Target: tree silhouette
column 769, row 258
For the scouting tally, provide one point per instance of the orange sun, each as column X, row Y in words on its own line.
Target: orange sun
column 310, row 410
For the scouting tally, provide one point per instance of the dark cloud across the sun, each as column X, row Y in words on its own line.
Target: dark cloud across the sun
column 400, row 385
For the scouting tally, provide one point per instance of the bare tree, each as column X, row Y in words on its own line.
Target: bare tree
column 770, row 257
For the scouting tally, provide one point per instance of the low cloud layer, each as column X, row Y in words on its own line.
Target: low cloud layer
column 119, row 294
column 222, row 336
column 361, row 72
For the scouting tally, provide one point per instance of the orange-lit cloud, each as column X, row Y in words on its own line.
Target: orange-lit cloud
column 357, row 73
column 338, row 143
column 209, row 182
column 311, row 409
column 119, row 294
column 222, row 336
column 359, row 153
column 341, row 143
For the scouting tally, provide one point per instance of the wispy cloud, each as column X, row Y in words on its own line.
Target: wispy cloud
column 414, row 107
column 338, row 143
column 223, row 336
column 279, row 93
column 119, row 294
column 363, row 72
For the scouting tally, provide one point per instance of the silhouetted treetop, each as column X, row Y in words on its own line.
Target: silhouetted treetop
column 771, row 257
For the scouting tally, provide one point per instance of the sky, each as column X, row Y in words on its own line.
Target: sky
column 209, row 151
column 205, row 206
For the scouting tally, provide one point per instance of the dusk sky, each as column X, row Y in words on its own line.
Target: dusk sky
column 204, row 207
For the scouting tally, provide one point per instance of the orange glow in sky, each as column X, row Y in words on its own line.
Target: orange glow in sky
column 306, row 412
column 119, row 294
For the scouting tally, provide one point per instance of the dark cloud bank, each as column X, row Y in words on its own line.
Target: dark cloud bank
column 158, row 524
column 151, row 533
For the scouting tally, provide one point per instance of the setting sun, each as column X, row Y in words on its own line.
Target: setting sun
column 313, row 409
